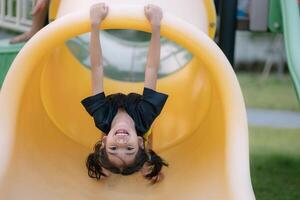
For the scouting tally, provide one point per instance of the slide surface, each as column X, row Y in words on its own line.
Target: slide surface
column 291, row 31
column 46, row 134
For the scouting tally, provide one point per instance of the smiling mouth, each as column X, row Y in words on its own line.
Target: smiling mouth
column 121, row 132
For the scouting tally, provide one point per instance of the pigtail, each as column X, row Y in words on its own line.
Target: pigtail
column 93, row 163
column 155, row 163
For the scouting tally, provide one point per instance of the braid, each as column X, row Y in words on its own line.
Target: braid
column 93, row 163
column 156, row 163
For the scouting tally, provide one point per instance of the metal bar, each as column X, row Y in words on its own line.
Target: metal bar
column 24, row 6
column 18, row 13
column 25, row 9
column 2, row 8
column 9, row 8
column 228, row 11
column 25, row 19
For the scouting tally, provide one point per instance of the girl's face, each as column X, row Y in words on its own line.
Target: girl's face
column 122, row 144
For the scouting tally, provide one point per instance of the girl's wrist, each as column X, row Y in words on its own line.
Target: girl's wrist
column 155, row 27
column 95, row 25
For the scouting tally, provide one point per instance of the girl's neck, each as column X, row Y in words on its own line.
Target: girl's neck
column 122, row 116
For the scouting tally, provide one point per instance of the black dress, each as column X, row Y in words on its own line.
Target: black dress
column 143, row 109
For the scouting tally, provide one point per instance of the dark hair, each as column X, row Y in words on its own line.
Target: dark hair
column 99, row 159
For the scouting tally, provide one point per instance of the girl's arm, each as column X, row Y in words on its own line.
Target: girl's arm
column 98, row 12
column 154, row 15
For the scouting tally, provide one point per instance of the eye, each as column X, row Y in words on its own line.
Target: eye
column 130, row 148
column 113, row 148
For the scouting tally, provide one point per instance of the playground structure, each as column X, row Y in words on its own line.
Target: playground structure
column 280, row 16
column 46, row 135
column 285, row 18
column 276, row 16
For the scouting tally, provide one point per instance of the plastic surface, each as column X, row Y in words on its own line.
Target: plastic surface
column 291, row 31
column 275, row 16
column 46, row 134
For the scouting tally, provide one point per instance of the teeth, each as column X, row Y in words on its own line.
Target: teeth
column 121, row 132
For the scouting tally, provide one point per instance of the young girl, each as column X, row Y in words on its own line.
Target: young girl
column 124, row 119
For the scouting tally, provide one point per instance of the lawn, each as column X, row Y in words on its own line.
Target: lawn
column 270, row 93
column 275, row 163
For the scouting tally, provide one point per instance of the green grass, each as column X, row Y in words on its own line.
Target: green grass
column 271, row 93
column 275, row 163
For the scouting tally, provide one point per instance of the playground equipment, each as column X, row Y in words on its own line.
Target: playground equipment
column 279, row 16
column 285, row 18
column 46, row 134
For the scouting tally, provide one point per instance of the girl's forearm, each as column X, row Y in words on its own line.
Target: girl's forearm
column 95, row 48
column 153, row 58
column 96, row 60
column 154, row 49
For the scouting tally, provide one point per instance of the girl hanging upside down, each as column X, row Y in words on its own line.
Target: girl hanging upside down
column 125, row 119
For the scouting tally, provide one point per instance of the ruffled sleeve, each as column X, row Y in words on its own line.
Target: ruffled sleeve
column 102, row 109
column 156, row 99
column 93, row 103
column 145, row 110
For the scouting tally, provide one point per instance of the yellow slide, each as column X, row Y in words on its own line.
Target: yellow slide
column 46, row 135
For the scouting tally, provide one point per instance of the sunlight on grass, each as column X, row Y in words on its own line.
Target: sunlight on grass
column 271, row 93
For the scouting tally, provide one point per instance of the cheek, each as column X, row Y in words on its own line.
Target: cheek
column 109, row 141
column 132, row 131
column 135, row 143
column 133, row 138
column 111, row 132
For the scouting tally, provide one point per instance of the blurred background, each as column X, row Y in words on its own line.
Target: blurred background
column 258, row 38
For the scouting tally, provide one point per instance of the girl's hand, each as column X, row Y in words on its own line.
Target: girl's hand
column 38, row 6
column 106, row 172
column 98, row 12
column 146, row 169
column 157, row 178
column 154, row 14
